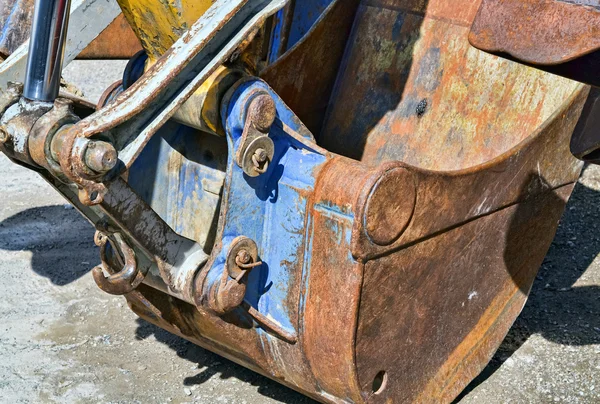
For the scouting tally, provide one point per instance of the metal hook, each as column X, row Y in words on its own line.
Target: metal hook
column 123, row 281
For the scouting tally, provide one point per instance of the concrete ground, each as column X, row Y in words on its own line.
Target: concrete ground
column 63, row 340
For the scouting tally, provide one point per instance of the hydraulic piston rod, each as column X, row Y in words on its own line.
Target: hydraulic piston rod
column 46, row 49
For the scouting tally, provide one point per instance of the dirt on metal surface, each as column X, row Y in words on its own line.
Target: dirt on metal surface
column 460, row 277
column 461, row 282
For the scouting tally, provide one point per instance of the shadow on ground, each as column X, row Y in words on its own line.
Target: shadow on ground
column 60, row 239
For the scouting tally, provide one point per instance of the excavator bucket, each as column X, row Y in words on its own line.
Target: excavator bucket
column 342, row 195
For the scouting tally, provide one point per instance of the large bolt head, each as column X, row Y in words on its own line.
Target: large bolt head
column 262, row 111
column 244, row 250
column 101, row 157
column 261, row 155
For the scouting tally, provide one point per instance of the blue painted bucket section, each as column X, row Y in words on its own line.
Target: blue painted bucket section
column 179, row 174
column 271, row 209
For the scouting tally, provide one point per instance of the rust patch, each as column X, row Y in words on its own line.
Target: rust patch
column 117, row 41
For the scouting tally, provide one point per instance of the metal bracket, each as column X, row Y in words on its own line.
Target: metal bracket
column 135, row 116
column 253, row 207
column 256, row 149
column 229, row 293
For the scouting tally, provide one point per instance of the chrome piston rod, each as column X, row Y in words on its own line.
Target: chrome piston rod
column 46, row 49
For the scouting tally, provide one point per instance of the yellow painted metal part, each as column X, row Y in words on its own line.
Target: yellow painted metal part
column 159, row 23
column 201, row 111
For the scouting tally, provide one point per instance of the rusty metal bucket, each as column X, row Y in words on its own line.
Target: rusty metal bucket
column 455, row 165
column 408, row 246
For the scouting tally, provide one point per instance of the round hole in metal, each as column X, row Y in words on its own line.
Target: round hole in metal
column 379, row 382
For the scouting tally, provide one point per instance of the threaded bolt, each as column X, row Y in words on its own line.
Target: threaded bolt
column 260, row 157
column 243, row 257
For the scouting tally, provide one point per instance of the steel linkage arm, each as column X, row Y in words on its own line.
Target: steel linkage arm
column 135, row 116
